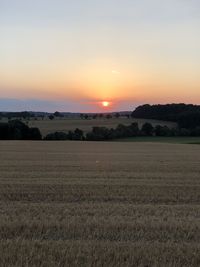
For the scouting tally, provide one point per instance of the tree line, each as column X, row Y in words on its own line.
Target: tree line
column 123, row 131
column 23, row 114
column 26, row 115
column 180, row 113
column 17, row 130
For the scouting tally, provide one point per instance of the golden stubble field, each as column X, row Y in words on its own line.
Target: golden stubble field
column 99, row 204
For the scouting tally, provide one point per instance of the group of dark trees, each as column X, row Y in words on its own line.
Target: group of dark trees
column 26, row 115
column 61, row 136
column 186, row 116
column 94, row 116
column 123, row 131
column 17, row 130
column 98, row 133
column 133, row 130
column 55, row 115
column 169, row 112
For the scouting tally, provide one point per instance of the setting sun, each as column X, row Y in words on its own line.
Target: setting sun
column 105, row 104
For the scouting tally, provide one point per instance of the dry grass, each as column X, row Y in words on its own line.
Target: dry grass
column 47, row 126
column 99, row 204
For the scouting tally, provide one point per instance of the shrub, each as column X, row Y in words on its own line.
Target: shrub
column 59, row 136
column 147, row 129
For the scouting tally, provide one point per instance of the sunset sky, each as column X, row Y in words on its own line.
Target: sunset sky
column 70, row 55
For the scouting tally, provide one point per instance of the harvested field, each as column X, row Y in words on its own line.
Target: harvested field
column 99, row 204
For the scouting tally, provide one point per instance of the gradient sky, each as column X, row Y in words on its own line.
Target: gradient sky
column 81, row 52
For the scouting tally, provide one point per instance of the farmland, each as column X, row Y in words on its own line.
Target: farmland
column 99, row 204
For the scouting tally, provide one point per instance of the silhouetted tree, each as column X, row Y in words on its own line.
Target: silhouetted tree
column 98, row 134
column 57, row 114
column 108, row 116
column 34, row 134
column 86, row 117
column 122, row 131
column 134, row 129
column 117, row 115
column 78, row 135
column 147, row 129
column 51, row 117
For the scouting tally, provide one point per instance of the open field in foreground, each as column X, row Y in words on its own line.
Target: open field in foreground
column 64, row 125
column 99, row 204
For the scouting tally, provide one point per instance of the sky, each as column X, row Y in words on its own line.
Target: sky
column 72, row 55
